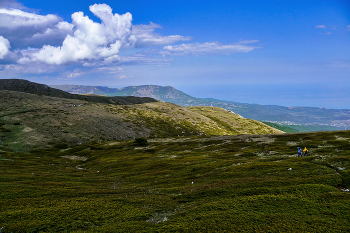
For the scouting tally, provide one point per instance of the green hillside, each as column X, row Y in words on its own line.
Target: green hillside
column 214, row 184
column 28, row 121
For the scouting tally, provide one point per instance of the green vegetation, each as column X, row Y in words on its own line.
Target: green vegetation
column 246, row 183
column 141, row 141
column 65, row 166
column 29, row 121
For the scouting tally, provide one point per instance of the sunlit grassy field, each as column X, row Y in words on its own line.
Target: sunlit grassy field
column 193, row 184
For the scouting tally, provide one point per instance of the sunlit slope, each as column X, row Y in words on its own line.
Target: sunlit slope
column 233, row 123
column 30, row 120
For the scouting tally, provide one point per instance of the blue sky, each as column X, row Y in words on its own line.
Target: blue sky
column 291, row 53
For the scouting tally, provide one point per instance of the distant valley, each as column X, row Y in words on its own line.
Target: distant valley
column 299, row 119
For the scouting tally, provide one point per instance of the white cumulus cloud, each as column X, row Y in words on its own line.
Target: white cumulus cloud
column 48, row 41
column 90, row 40
column 321, row 26
column 4, row 47
column 208, row 48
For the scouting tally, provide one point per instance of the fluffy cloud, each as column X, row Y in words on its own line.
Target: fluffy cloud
column 93, row 41
column 90, row 40
column 49, row 41
column 145, row 36
column 208, row 48
column 4, row 47
column 321, row 26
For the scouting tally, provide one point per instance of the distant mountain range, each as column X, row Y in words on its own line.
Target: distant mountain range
column 311, row 118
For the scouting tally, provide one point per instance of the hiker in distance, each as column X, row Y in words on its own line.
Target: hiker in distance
column 299, row 152
column 305, row 151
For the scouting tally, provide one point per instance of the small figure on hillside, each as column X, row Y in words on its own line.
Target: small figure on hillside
column 299, row 152
column 305, row 151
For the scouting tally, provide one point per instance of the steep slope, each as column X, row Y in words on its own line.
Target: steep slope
column 334, row 118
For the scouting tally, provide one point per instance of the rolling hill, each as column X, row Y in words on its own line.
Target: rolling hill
column 320, row 118
column 29, row 120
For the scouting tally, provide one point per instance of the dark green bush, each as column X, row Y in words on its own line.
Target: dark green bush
column 346, row 177
column 141, row 141
column 61, row 146
column 5, row 130
column 247, row 154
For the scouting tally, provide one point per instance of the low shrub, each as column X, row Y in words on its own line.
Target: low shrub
column 5, row 130
column 346, row 177
column 61, row 146
column 141, row 141
column 247, row 154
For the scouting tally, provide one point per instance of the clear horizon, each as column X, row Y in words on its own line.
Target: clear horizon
column 288, row 53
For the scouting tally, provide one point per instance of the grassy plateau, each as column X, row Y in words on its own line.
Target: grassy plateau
column 246, row 183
